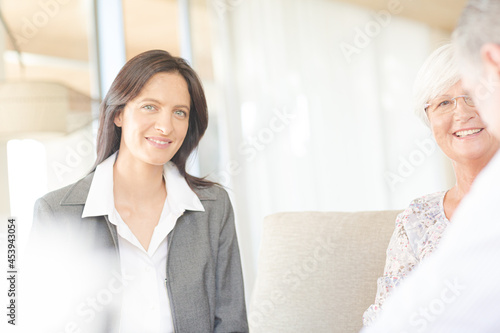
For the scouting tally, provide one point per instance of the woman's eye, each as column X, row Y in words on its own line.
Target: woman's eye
column 181, row 113
column 149, row 107
column 444, row 103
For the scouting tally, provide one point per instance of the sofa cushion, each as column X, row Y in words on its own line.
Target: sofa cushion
column 317, row 271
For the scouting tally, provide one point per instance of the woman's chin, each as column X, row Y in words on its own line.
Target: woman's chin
column 157, row 161
column 155, row 157
column 475, row 155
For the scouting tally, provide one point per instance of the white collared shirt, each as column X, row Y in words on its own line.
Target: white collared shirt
column 145, row 306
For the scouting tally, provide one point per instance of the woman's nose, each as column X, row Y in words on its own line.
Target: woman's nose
column 464, row 112
column 164, row 124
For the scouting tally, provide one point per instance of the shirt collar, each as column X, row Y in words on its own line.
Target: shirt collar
column 100, row 200
column 179, row 195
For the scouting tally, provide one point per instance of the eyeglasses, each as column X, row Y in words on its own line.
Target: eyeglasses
column 445, row 105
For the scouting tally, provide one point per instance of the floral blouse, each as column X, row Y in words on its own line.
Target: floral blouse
column 418, row 232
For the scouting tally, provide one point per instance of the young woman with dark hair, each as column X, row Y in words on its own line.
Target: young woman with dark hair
column 170, row 233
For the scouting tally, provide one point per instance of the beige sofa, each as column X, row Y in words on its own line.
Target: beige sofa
column 317, row 271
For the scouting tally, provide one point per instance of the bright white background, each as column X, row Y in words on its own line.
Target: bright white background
column 353, row 143
column 296, row 122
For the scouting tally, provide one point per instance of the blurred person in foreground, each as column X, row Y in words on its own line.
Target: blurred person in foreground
column 166, row 239
column 457, row 288
column 444, row 106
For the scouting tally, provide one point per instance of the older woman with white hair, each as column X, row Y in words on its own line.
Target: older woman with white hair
column 449, row 111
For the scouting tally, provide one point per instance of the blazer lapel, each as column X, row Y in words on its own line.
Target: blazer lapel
column 77, row 195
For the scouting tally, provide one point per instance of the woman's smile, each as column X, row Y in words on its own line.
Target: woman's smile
column 157, row 142
column 468, row 133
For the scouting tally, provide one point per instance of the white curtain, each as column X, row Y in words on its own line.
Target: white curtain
column 302, row 126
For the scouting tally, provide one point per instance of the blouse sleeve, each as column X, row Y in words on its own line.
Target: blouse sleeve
column 401, row 259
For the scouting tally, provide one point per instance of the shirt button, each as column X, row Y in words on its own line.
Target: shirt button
column 148, row 269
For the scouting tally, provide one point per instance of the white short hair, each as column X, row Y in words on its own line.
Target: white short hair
column 479, row 24
column 438, row 74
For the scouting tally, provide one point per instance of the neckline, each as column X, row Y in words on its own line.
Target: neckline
column 441, row 204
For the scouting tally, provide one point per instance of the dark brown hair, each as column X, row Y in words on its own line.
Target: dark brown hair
column 129, row 83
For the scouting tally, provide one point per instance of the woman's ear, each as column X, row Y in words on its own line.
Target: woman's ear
column 118, row 118
column 490, row 56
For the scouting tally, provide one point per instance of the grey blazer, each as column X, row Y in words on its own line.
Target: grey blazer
column 204, row 277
